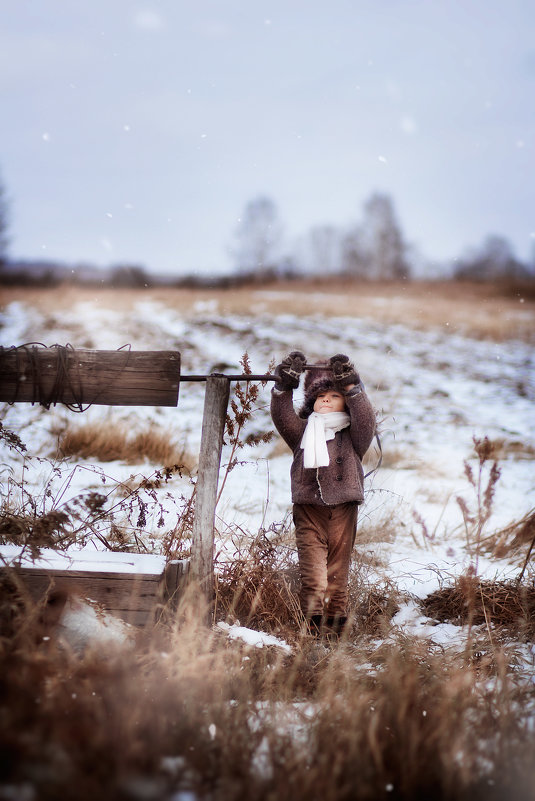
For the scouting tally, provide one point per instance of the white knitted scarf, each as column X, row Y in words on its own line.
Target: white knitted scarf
column 321, row 428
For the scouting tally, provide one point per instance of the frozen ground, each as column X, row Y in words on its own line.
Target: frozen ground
column 433, row 392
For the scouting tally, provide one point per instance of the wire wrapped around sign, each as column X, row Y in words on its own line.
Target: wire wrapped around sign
column 66, row 377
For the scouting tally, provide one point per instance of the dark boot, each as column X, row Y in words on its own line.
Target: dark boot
column 336, row 625
column 315, row 625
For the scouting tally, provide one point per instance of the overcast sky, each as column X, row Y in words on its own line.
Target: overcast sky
column 138, row 132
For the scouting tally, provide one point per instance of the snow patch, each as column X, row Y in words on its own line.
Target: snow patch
column 257, row 639
column 83, row 623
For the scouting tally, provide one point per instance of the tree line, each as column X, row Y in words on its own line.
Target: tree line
column 371, row 249
column 374, row 249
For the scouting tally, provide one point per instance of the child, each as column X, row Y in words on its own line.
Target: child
column 329, row 438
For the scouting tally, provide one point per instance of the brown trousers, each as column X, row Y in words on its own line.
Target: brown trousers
column 325, row 537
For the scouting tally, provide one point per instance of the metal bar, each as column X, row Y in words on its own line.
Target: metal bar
column 248, row 376
column 244, row 377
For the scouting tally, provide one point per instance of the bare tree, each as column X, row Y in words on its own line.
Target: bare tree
column 493, row 261
column 384, row 250
column 354, row 258
column 258, row 238
column 323, row 250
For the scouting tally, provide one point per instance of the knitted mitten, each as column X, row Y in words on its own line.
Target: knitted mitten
column 344, row 372
column 289, row 371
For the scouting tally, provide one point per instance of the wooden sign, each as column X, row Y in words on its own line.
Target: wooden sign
column 84, row 377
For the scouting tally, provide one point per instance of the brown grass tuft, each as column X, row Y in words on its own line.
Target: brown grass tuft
column 512, row 448
column 374, row 610
column 260, row 587
column 474, row 601
column 279, row 448
column 114, row 442
column 377, row 527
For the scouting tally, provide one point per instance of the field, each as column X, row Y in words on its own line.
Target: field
column 430, row 694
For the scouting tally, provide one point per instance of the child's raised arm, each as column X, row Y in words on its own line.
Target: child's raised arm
column 363, row 422
column 288, row 373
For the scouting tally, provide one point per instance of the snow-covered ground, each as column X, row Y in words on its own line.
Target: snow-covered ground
column 433, row 392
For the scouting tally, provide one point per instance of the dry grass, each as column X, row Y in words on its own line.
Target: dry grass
column 391, row 456
column 512, row 448
column 474, row 601
column 190, row 711
column 186, row 709
column 260, row 585
column 372, row 611
column 514, row 539
column 483, row 311
column 379, row 526
column 109, row 442
column 279, row 448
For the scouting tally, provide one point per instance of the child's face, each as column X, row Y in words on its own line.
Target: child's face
column 329, row 401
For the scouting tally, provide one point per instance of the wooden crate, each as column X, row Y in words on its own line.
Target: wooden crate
column 133, row 587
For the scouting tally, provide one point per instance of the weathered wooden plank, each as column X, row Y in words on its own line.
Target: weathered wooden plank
column 136, row 596
column 82, row 377
column 213, row 426
column 173, row 580
column 121, row 592
column 97, row 575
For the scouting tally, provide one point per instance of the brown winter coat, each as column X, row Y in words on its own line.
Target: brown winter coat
column 342, row 480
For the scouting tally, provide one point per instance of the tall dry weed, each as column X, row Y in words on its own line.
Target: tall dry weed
column 191, row 711
column 483, row 482
column 114, row 514
column 259, row 584
column 510, row 540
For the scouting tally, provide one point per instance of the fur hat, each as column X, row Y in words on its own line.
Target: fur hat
column 316, row 381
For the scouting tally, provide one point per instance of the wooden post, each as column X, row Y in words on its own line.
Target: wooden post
column 61, row 374
column 213, row 427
